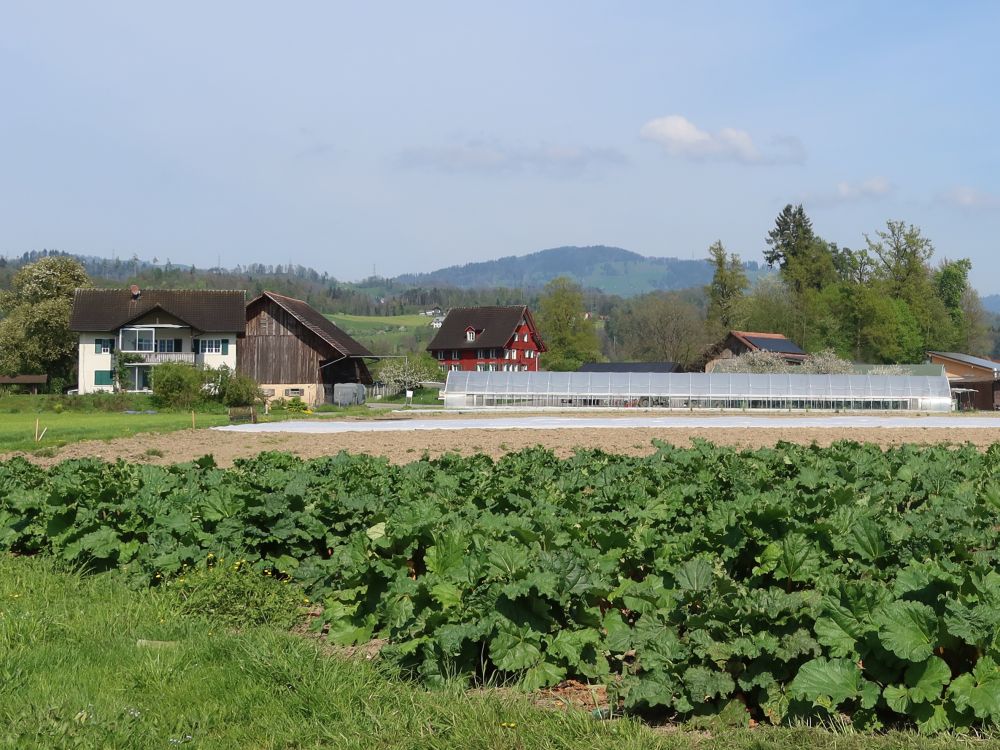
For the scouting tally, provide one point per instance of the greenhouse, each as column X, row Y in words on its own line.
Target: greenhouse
column 698, row 391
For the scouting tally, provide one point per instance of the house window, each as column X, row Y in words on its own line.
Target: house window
column 137, row 339
column 294, row 392
column 213, row 346
column 479, row 354
column 169, row 345
column 525, row 338
column 470, row 335
column 455, row 368
column 104, row 346
column 440, row 353
column 454, row 353
column 104, row 377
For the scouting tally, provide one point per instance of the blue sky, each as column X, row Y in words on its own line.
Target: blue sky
column 410, row 136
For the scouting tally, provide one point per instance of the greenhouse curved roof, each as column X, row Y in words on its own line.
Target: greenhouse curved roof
column 699, row 384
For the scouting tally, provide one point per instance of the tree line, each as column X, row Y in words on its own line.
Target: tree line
column 885, row 302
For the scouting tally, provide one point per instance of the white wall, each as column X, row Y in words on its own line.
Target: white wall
column 218, row 360
column 89, row 362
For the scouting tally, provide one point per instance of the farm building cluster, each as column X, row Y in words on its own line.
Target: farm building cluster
column 489, row 357
column 284, row 344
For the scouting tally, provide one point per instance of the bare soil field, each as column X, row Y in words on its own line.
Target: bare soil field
column 406, row 446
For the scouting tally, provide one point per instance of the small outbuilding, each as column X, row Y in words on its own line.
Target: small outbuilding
column 294, row 351
column 976, row 380
column 629, row 367
column 741, row 342
column 25, row 382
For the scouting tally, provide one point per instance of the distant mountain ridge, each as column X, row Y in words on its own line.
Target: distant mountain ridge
column 612, row 270
column 992, row 303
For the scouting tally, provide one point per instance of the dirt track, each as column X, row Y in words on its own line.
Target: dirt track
column 402, row 447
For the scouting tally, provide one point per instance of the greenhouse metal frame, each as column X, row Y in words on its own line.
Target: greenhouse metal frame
column 699, row 390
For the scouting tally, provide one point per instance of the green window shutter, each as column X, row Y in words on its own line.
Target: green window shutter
column 225, row 346
column 104, row 377
column 111, row 345
column 194, row 345
column 178, row 345
column 98, row 345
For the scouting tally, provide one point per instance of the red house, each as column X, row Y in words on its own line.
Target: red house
column 488, row 339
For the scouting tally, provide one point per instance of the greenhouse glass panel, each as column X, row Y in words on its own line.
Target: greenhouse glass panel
column 698, row 390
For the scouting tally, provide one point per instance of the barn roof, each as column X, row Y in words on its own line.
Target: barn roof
column 206, row 310
column 768, row 342
column 318, row 323
column 494, row 327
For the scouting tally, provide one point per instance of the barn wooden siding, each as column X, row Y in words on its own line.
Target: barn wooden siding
column 277, row 348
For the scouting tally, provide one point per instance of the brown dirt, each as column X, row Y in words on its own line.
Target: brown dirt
column 403, row 447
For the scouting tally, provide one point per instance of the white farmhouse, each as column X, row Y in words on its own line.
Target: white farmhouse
column 153, row 326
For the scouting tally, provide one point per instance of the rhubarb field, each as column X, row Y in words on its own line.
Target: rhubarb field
column 774, row 585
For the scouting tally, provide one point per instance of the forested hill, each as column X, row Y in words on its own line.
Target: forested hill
column 992, row 303
column 612, row 270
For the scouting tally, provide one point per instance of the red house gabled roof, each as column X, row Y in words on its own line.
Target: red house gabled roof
column 494, row 327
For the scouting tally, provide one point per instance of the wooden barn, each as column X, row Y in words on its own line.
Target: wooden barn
column 293, row 351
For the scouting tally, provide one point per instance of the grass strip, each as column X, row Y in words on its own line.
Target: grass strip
column 76, row 670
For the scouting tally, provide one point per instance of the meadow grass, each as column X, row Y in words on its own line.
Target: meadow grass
column 390, row 334
column 17, row 431
column 87, row 662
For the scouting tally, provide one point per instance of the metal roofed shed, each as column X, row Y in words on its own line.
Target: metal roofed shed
column 629, row 367
column 698, row 391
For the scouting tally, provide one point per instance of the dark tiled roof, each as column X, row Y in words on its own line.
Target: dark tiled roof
column 318, row 324
column 23, row 379
column 769, row 342
column 629, row 367
column 494, row 327
column 209, row 311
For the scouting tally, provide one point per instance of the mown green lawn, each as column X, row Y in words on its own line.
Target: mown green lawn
column 392, row 334
column 379, row 322
column 17, row 431
column 87, row 662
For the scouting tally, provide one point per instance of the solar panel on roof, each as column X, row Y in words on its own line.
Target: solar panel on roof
column 782, row 346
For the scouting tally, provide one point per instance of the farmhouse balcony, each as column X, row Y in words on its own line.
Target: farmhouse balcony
column 159, row 358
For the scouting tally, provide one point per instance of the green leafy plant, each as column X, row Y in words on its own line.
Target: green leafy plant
column 789, row 584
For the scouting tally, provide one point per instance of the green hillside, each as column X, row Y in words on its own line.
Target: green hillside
column 387, row 334
column 612, row 270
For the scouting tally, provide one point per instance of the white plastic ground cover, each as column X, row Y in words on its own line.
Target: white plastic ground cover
column 861, row 391
column 589, row 423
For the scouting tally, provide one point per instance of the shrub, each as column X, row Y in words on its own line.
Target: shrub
column 234, row 594
column 241, row 390
column 406, row 373
column 177, row 385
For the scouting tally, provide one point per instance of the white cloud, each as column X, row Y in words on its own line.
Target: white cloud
column 480, row 156
column 969, row 197
column 870, row 189
column 873, row 187
column 681, row 137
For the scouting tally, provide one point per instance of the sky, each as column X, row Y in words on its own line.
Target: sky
column 404, row 137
